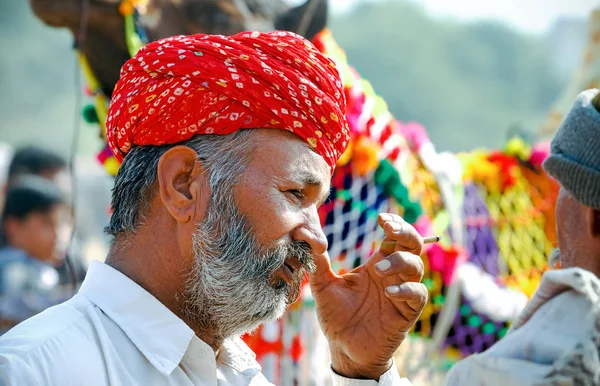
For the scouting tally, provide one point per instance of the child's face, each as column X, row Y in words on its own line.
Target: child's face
column 37, row 234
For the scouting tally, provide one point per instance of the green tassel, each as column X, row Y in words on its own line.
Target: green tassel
column 388, row 179
column 90, row 115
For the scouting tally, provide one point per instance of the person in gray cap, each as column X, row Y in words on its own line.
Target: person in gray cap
column 556, row 339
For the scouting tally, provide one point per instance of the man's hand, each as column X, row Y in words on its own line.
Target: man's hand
column 366, row 313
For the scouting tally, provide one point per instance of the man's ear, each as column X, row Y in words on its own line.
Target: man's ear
column 182, row 183
column 593, row 217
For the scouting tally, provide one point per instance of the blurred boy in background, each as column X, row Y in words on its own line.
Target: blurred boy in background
column 37, row 161
column 29, row 283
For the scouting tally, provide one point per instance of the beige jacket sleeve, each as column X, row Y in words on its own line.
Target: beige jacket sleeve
column 552, row 340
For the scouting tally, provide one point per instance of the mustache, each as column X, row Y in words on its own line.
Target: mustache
column 303, row 252
column 300, row 250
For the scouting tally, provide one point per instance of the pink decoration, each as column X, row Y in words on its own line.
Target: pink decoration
column 415, row 134
column 539, row 153
column 445, row 261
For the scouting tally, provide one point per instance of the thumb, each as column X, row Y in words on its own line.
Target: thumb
column 323, row 275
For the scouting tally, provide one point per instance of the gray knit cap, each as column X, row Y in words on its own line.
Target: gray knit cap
column 574, row 159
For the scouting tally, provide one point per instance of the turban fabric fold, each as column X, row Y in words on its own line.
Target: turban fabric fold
column 183, row 86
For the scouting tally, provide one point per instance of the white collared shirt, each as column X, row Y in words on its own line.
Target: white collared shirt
column 113, row 332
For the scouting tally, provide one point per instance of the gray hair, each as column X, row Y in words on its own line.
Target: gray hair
column 224, row 157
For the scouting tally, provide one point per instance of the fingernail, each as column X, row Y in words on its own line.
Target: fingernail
column 383, row 265
column 386, row 217
column 393, row 289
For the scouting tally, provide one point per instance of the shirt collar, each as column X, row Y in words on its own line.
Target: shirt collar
column 158, row 333
column 236, row 354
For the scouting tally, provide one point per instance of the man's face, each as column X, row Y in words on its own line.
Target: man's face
column 255, row 245
column 570, row 228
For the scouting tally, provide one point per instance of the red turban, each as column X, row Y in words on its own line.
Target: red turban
column 182, row 86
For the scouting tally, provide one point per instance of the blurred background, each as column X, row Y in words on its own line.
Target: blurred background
column 473, row 73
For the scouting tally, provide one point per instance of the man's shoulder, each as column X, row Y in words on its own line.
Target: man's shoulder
column 558, row 323
column 570, row 292
column 50, row 346
column 59, row 328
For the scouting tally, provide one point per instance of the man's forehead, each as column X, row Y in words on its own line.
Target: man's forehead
column 310, row 177
column 309, row 169
column 288, row 155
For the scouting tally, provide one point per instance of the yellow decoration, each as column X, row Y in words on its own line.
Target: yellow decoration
column 521, row 237
column 527, row 284
column 518, row 148
column 347, row 155
column 100, row 101
column 112, row 166
column 423, row 188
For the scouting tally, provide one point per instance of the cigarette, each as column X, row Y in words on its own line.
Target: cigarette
column 392, row 244
column 431, row 239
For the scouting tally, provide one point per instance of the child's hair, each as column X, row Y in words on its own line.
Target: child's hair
column 28, row 194
column 34, row 160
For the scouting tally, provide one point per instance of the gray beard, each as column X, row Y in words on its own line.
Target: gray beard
column 230, row 289
column 554, row 258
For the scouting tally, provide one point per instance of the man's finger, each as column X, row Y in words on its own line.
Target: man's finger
column 408, row 266
column 385, row 217
column 323, row 275
column 398, row 231
column 412, row 294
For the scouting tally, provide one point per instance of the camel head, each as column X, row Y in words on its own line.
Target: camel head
column 102, row 39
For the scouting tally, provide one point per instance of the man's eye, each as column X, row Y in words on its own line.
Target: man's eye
column 297, row 193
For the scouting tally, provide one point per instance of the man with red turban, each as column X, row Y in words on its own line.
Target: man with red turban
column 228, row 145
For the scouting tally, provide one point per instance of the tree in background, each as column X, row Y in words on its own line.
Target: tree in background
column 467, row 83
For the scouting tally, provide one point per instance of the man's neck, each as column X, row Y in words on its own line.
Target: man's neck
column 149, row 264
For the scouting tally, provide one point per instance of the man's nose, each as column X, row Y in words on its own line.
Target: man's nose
column 311, row 232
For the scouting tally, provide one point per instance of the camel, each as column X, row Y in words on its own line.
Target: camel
column 98, row 25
